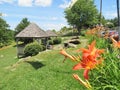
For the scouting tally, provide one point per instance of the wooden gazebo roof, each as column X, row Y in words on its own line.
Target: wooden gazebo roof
column 51, row 33
column 32, row 31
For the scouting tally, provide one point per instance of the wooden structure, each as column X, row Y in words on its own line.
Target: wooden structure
column 31, row 31
column 51, row 33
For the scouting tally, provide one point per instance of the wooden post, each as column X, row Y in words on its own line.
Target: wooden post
column 17, row 47
column 118, row 15
column 47, row 43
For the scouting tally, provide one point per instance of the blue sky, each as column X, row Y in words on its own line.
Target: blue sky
column 48, row 14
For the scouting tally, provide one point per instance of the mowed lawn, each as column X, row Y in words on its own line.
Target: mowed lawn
column 45, row 71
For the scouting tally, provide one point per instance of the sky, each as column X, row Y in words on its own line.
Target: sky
column 48, row 14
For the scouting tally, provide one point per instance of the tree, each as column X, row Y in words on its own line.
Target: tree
column 114, row 21
column 6, row 35
column 23, row 24
column 82, row 14
column 54, row 30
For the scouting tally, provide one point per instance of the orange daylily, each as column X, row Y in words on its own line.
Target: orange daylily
column 86, row 84
column 87, row 64
column 92, row 50
column 115, row 43
column 91, row 32
column 63, row 52
column 89, row 59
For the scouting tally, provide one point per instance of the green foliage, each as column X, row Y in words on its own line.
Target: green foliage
column 33, row 49
column 106, row 77
column 100, row 42
column 54, row 41
column 114, row 21
column 23, row 24
column 83, row 31
column 82, row 14
column 65, row 29
column 109, row 25
column 57, row 40
column 50, row 42
column 6, row 35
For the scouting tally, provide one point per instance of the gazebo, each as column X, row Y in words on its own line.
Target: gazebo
column 31, row 31
column 51, row 33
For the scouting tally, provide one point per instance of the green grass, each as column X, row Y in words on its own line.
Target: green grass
column 42, row 72
column 46, row 71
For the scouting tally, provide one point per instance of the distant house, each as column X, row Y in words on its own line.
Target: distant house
column 31, row 31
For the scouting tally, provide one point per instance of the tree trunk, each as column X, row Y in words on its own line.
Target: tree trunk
column 79, row 30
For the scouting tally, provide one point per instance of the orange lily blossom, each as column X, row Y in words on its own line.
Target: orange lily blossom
column 63, row 52
column 89, row 59
column 92, row 50
column 115, row 43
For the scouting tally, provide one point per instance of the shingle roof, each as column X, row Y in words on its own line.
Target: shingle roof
column 51, row 33
column 32, row 31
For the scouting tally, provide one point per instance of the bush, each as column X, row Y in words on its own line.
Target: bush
column 57, row 40
column 33, row 49
column 1, row 45
column 50, row 42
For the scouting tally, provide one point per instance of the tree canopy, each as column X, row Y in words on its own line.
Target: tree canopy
column 6, row 35
column 114, row 21
column 23, row 24
column 82, row 14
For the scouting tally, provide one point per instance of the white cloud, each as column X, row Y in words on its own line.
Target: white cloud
column 34, row 17
column 43, row 3
column 54, row 18
column 6, row 1
column 4, row 14
column 29, row 3
column 110, row 15
column 51, row 26
column 26, row 3
column 65, row 4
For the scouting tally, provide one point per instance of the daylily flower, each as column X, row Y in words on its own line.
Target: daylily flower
column 115, row 43
column 63, row 52
column 89, row 59
column 87, row 64
column 85, row 83
column 92, row 50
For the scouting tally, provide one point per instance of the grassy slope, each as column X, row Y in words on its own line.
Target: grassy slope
column 42, row 72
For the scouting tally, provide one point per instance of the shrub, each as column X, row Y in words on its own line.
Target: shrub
column 83, row 32
column 57, row 40
column 50, row 42
column 1, row 45
column 33, row 49
column 43, row 47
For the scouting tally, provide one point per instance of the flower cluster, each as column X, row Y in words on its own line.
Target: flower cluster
column 116, row 44
column 91, row 57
